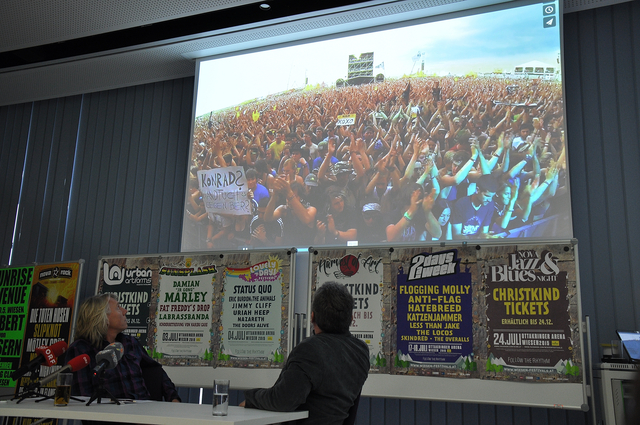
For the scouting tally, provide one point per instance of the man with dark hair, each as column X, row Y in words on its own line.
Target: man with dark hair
column 309, row 149
column 302, row 167
column 471, row 215
column 277, row 146
column 258, row 191
column 324, row 374
column 520, row 143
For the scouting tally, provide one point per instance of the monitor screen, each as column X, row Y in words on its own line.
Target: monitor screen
column 631, row 342
column 438, row 129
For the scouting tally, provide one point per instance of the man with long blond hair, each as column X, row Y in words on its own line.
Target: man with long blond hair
column 100, row 322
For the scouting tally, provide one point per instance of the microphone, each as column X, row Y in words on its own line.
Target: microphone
column 48, row 355
column 73, row 365
column 108, row 358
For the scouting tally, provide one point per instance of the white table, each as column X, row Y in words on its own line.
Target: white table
column 147, row 412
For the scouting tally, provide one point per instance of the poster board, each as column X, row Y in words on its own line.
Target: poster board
column 489, row 323
column 206, row 310
column 38, row 304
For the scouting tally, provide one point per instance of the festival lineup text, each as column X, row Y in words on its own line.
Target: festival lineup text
column 14, row 289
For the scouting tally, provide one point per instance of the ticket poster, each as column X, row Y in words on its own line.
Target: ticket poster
column 528, row 313
column 362, row 273
column 251, row 314
column 130, row 280
column 50, row 315
column 184, row 307
column 15, row 288
column 434, row 307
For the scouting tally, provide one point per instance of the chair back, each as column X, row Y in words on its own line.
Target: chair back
column 353, row 411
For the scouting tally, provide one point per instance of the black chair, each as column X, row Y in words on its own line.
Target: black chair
column 153, row 381
column 353, row 411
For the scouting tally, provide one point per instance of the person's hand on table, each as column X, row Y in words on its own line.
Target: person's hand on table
column 241, row 404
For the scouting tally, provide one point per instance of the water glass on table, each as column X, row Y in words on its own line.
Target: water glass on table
column 220, row 397
column 63, row 389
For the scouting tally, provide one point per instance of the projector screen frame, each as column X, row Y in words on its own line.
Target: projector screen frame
column 230, row 49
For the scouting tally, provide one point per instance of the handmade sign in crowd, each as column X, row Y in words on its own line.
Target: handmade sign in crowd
column 225, row 191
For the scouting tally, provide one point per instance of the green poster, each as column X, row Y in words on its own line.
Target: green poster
column 15, row 287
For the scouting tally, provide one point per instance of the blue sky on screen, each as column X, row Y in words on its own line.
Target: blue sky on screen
column 479, row 43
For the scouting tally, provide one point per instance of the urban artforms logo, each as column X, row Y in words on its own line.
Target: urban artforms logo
column 432, row 265
column 116, row 275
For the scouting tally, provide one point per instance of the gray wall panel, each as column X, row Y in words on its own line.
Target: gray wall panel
column 364, row 417
column 616, row 230
column 504, row 415
column 407, row 412
column 522, row 415
column 376, row 411
column 454, row 413
column 61, row 172
column 540, row 416
column 438, row 412
column 14, row 130
column 423, row 412
column 487, row 414
column 470, row 414
column 577, row 163
column 391, row 410
column 48, row 168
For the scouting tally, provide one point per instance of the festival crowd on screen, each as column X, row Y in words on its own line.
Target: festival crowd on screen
column 426, row 159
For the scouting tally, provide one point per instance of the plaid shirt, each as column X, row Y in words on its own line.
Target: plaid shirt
column 123, row 381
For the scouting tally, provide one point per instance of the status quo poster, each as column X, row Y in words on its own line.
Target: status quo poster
column 253, row 310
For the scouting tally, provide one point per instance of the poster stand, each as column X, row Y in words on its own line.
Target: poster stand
column 213, row 313
column 471, row 295
column 498, row 346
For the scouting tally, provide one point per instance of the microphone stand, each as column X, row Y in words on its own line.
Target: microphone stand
column 52, row 396
column 101, row 391
column 31, row 393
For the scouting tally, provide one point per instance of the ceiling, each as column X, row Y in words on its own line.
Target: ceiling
column 54, row 48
